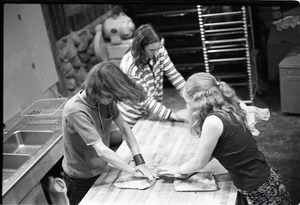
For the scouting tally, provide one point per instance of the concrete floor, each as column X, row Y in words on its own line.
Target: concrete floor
column 279, row 139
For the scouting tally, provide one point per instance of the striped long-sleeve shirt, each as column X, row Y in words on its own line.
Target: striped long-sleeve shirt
column 152, row 82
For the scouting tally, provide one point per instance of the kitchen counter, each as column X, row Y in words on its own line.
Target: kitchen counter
column 17, row 186
column 161, row 143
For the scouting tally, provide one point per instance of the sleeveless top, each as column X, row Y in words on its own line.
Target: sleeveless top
column 237, row 151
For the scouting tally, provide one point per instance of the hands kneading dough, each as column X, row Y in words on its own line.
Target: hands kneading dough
column 199, row 181
column 129, row 181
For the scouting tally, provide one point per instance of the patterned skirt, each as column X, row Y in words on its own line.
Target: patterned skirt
column 272, row 192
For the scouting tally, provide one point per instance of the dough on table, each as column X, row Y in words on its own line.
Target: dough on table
column 201, row 181
column 128, row 181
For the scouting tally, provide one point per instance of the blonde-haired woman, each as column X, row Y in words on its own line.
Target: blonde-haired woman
column 216, row 115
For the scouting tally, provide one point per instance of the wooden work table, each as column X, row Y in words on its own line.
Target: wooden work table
column 161, row 143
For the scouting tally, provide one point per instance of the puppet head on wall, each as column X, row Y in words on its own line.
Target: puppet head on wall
column 117, row 28
column 113, row 38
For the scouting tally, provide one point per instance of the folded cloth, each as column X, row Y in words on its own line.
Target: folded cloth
column 201, row 181
column 255, row 115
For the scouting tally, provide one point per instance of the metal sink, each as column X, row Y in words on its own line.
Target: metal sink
column 29, row 152
column 11, row 163
column 20, row 146
column 26, row 142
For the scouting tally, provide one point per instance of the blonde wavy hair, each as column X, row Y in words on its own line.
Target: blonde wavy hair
column 205, row 95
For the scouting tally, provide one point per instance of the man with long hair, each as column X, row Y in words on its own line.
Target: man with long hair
column 86, row 122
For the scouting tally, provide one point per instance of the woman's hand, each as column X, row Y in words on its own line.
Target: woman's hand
column 143, row 171
column 171, row 172
column 181, row 115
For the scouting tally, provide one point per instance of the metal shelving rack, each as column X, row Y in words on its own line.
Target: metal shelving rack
column 228, row 46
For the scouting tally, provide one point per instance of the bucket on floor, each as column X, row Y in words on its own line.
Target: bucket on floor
column 58, row 191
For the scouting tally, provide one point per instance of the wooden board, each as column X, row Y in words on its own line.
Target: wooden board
column 161, row 143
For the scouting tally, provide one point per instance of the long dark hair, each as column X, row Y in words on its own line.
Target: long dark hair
column 207, row 95
column 108, row 77
column 143, row 36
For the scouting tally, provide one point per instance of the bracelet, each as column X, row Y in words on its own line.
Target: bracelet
column 169, row 115
column 138, row 159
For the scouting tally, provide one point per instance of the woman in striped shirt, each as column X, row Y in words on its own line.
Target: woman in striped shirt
column 146, row 63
